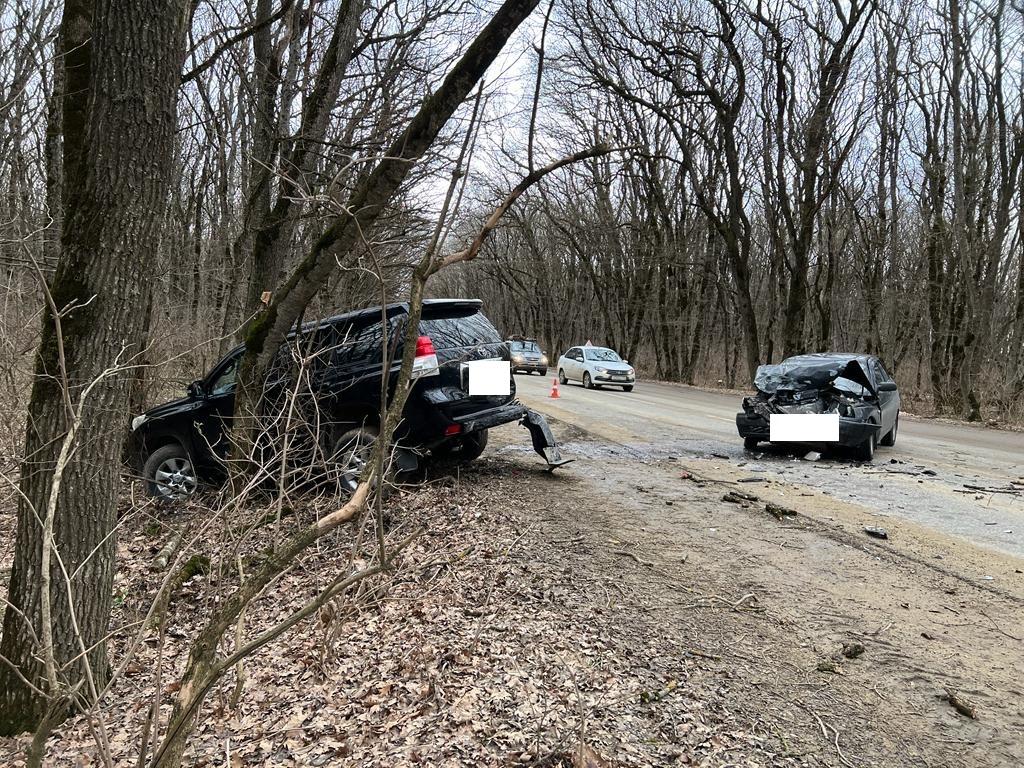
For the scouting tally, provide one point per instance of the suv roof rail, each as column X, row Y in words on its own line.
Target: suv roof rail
column 395, row 308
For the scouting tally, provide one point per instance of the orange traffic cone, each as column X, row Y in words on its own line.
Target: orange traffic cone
column 554, row 388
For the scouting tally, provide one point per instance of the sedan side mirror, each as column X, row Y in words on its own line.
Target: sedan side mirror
column 887, row 386
column 195, row 389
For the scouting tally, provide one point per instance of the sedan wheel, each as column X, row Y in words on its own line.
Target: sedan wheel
column 561, row 377
column 866, row 450
column 587, row 383
column 890, row 439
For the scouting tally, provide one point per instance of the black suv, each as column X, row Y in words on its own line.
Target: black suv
column 182, row 444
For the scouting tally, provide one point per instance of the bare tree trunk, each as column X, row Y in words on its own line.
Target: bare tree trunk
column 276, row 226
column 123, row 64
column 367, row 202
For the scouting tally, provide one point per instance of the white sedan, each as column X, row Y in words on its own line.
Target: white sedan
column 594, row 366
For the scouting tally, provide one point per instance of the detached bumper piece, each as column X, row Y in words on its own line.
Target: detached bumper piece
column 540, row 433
column 543, row 441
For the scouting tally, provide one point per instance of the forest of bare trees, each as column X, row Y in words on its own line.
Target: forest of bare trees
column 705, row 185
column 790, row 177
column 794, row 177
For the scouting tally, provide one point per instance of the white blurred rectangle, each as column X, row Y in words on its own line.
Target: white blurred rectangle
column 803, row 427
column 489, row 377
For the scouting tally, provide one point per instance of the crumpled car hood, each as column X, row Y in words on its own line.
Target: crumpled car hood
column 808, row 373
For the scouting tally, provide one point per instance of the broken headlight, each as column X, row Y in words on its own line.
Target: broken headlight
column 845, row 408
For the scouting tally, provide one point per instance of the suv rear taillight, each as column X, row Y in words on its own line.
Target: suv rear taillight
column 425, row 362
column 424, row 346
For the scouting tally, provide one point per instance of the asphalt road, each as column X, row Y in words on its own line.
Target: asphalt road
column 923, row 478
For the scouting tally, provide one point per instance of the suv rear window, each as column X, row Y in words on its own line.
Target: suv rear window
column 459, row 329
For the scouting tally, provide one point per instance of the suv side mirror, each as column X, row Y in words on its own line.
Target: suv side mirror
column 887, row 386
column 195, row 389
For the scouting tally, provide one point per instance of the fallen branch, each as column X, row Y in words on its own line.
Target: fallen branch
column 960, row 704
column 997, row 628
column 835, row 739
column 167, row 552
column 742, row 600
column 738, row 497
column 778, row 511
column 985, row 489
column 736, row 605
column 624, row 553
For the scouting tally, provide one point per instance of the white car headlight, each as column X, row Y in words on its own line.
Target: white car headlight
column 631, row 371
column 138, row 421
column 544, row 359
column 601, row 369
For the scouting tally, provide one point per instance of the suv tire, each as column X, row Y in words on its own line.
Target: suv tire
column 473, row 445
column 352, row 451
column 465, row 448
column 169, row 475
column 750, row 443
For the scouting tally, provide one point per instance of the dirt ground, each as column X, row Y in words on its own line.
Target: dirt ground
column 620, row 603
column 769, row 604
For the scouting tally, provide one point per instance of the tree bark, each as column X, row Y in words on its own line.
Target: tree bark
column 122, row 68
column 368, row 201
column 276, row 225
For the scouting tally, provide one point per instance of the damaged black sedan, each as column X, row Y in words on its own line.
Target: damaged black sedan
column 852, row 400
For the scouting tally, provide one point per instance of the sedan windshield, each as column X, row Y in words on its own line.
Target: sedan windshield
column 605, row 355
column 525, row 346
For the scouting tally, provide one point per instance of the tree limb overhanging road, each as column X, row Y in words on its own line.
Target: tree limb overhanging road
column 660, row 420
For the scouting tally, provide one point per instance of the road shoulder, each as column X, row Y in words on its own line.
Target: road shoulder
column 770, row 604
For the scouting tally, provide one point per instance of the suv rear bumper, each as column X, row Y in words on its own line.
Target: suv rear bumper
column 493, row 417
column 540, row 433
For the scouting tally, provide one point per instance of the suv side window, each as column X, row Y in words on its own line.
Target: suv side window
column 225, row 381
column 358, row 345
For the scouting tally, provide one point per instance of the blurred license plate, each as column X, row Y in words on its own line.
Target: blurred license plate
column 804, row 427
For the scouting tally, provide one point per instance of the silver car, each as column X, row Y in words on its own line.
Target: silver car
column 595, row 366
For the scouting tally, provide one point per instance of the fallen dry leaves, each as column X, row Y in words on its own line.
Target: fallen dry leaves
column 488, row 646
